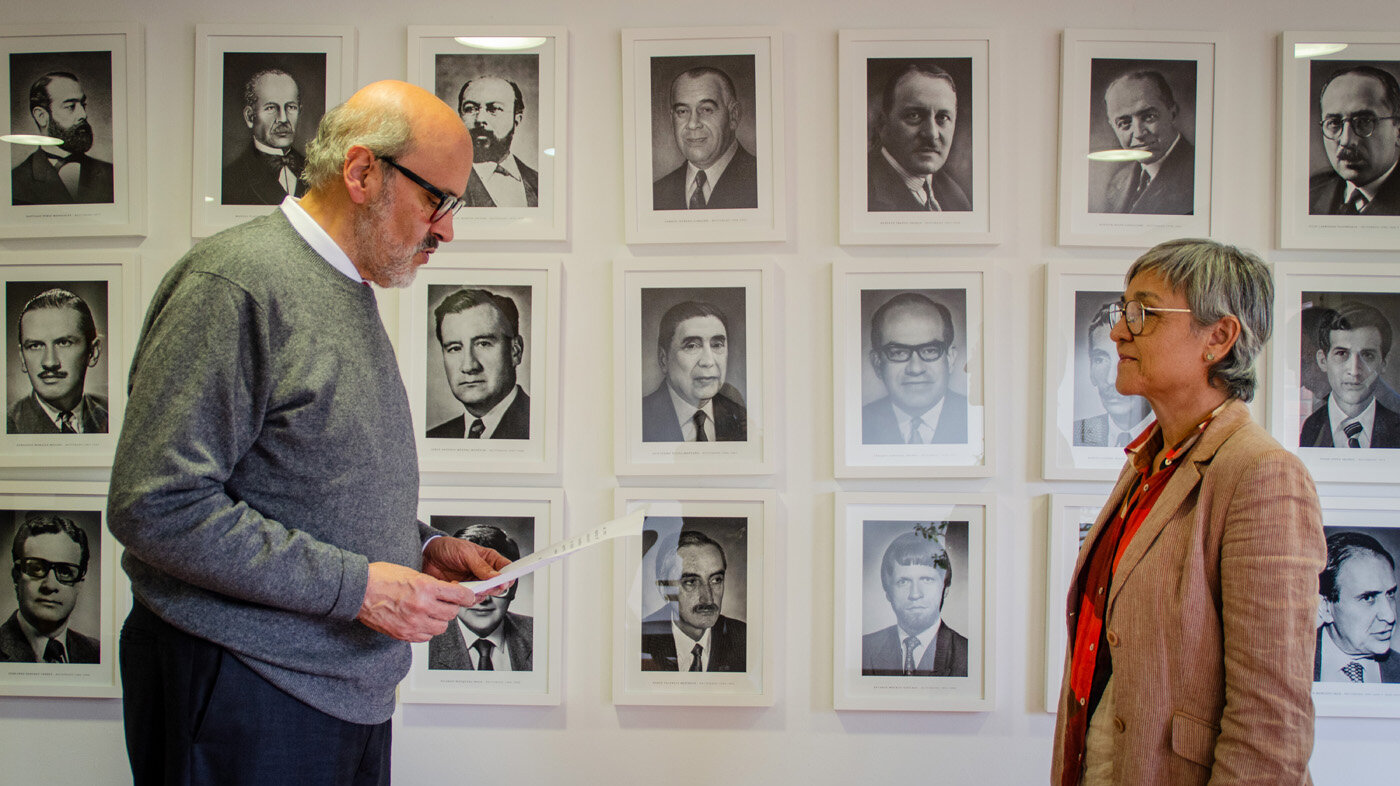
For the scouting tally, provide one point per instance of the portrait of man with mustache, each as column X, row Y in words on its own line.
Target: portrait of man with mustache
column 62, row 173
column 1359, row 128
column 914, row 125
column 269, row 168
column 59, row 342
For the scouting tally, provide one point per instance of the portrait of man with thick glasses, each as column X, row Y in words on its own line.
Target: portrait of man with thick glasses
column 1359, row 128
column 910, row 398
column 50, row 556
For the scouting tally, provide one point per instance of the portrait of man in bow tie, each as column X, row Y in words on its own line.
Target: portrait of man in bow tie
column 913, row 363
column 915, row 569
column 1358, row 125
column 64, row 104
column 58, row 341
column 693, row 574
column 702, row 133
column 1140, row 110
column 913, row 162
column 1356, row 609
column 51, row 563
column 262, row 163
column 481, row 349
column 1353, row 340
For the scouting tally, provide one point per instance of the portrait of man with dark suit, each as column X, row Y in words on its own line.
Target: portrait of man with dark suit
column 1143, row 112
column 50, row 557
column 915, row 573
column 1123, row 417
column 689, row 633
column 487, row 636
column 492, row 108
column 269, row 166
column 913, row 353
column 913, row 136
column 1356, row 609
column 1353, row 345
column 1360, row 130
column 478, row 332
column 718, row 173
column 62, row 173
column 693, row 403
column 58, row 343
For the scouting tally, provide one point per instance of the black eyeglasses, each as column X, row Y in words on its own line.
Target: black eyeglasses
column 65, row 572
column 1361, row 125
column 1135, row 312
column 446, row 202
column 900, row 353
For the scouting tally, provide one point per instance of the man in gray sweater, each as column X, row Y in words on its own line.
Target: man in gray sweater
column 265, row 483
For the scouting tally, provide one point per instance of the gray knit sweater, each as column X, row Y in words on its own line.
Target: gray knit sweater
column 267, row 457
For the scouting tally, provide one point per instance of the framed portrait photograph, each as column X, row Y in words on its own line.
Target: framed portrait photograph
column 1137, row 124
column 1333, row 393
column 510, row 87
column 77, row 101
column 506, row 649
column 914, row 602
column 68, row 317
column 1087, row 421
column 59, row 635
column 694, row 598
column 910, row 380
column 261, row 91
column 695, row 389
column 1339, row 130
column 479, row 353
column 1071, row 518
column 1356, row 669
column 915, row 136
column 702, row 135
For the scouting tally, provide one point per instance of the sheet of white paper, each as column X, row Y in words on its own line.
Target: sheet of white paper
column 631, row 524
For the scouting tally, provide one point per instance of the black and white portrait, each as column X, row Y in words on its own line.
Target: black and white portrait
column 1103, row 417
column 919, row 120
column 693, row 364
column 1147, row 107
column 54, row 559
column 66, row 96
column 55, row 360
column 1347, row 388
column 498, row 633
column 498, row 98
column 272, row 103
column 1356, row 607
column 914, row 598
column 914, row 374
column 694, row 594
column 1353, row 137
column 703, row 133
column 478, row 361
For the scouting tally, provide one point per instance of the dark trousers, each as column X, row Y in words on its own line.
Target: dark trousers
column 195, row 714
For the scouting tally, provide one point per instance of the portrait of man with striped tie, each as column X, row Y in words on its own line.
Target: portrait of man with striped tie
column 914, row 359
column 58, row 341
column 1356, row 608
column 69, row 100
column 1356, row 146
column 1145, row 110
column 1353, row 344
column 272, row 104
column 913, row 163
column 916, row 572
column 50, row 558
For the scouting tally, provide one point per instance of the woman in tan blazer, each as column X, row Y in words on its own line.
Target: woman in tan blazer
column 1192, row 610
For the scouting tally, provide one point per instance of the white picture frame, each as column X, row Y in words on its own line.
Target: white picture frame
column 1071, row 518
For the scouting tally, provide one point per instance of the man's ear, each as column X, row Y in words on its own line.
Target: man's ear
column 362, row 177
column 517, row 350
column 41, row 117
column 94, row 351
column 248, row 116
column 1322, row 360
column 1324, row 611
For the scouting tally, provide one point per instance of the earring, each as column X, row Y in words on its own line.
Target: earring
column 1210, row 357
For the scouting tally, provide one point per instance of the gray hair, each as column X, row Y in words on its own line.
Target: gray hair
column 1219, row 281
column 383, row 130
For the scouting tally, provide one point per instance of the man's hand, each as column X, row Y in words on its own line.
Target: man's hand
column 455, row 559
column 408, row 605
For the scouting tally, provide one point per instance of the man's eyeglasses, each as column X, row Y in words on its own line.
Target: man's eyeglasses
column 37, row 569
column 1361, row 125
column 446, row 202
column 900, row 353
column 1135, row 312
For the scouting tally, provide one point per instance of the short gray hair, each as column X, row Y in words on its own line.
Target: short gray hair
column 1219, row 281
column 383, row 130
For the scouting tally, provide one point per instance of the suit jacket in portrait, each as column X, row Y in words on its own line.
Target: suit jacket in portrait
column 1237, row 523
column 728, row 645
column 27, row 416
column 878, row 425
column 1317, row 429
column 477, row 195
column 1326, row 190
column 1389, row 662
column 36, row 182
column 882, row 654
column 250, row 181
column 1171, row 193
column 14, row 647
column 736, row 188
column 515, row 423
column 659, row 422
column 886, row 192
column 448, row 650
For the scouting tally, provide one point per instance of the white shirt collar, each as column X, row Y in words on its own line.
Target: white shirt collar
column 39, row 642
column 915, row 183
column 684, row 645
column 685, row 415
column 1369, row 190
column 1156, row 166
column 712, row 173
column 929, row 418
column 1337, row 420
column 79, row 412
column 492, row 419
column 318, row 239
column 506, row 190
column 1333, row 659
column 1132, row 432
column 500, row 655
column 926, row 639
column 272, row 151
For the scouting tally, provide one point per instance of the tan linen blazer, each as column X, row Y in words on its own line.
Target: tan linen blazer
column 1211, row 620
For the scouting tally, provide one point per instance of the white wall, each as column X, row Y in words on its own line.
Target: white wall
column 800, row 739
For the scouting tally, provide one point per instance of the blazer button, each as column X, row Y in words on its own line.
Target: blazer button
column 1112, row 639
column 1119, row 725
